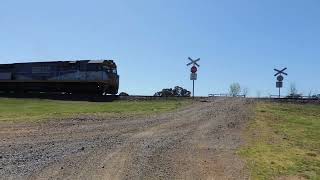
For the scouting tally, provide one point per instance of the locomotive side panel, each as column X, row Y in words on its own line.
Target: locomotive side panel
column 74, row 77
column 5, row 75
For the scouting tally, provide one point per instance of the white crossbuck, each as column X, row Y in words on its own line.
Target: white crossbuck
column 193, row 62
column 279, row 72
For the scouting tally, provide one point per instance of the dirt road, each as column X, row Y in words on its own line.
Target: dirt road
column 196, row 142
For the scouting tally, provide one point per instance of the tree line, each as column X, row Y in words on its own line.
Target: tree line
column 235, row 90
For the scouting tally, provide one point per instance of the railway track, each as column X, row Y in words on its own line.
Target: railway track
column 109, row 98
column 89, row 97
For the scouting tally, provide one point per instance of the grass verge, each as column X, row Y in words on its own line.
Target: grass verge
column 284, row 142
column 36, row 110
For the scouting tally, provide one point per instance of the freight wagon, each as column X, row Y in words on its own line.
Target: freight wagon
column 76, row 77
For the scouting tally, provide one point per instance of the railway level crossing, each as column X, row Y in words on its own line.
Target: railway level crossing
column 280, row 78
column 193, row 70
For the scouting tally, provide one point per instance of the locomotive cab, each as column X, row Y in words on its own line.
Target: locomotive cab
column 111, row 70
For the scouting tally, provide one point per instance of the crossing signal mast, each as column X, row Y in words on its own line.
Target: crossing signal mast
column 193, row 70
column 280, row 78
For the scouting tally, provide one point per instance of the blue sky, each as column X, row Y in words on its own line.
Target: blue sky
column 237, row 40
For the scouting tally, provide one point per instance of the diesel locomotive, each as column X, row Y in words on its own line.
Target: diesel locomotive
column 75, row 77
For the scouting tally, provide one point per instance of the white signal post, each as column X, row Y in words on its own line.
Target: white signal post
column 194, row 70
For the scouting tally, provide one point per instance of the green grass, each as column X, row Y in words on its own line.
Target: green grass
column 35, row 110
column 284, row 141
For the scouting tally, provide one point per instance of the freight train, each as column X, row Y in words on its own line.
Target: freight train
column 75, row 77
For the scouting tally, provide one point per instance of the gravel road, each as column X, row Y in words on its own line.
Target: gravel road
column 196, row 142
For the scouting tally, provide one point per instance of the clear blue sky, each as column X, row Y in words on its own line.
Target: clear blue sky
column 237, row 40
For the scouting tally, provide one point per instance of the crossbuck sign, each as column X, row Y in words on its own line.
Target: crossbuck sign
column 280, row 78
column 194, row 70
column 193, row 62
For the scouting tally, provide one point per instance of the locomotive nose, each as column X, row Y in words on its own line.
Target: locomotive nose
column 115, row 84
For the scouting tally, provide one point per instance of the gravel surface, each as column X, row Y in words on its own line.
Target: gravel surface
column 196, row 142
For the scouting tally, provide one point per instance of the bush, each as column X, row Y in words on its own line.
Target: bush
column 175, row 92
